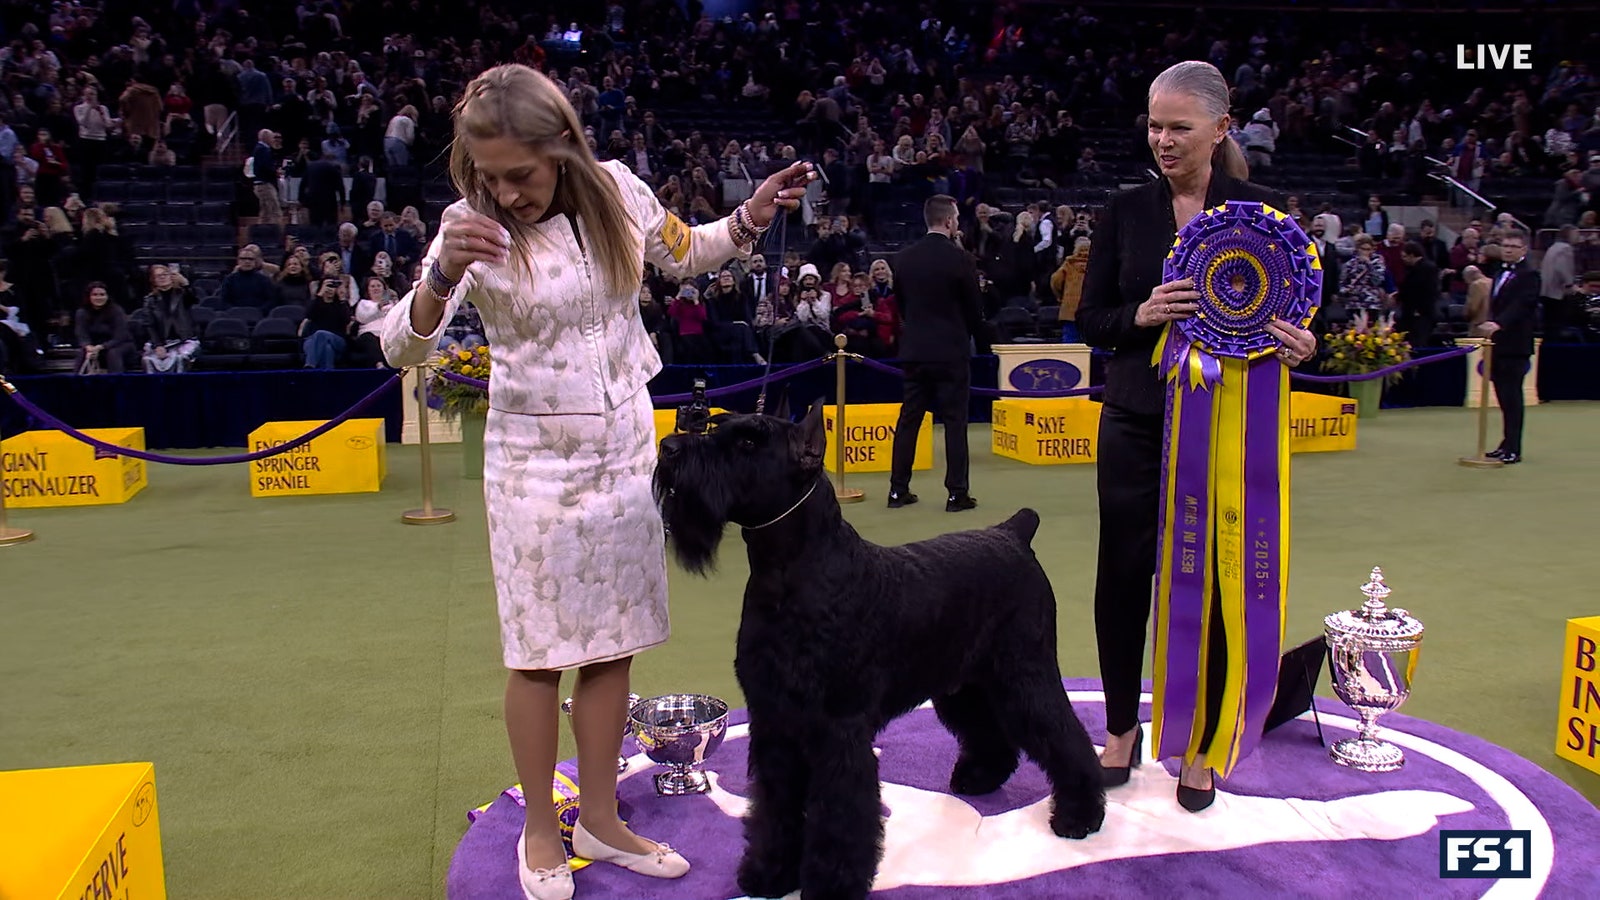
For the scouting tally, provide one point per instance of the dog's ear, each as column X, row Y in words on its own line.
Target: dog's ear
column 809, row 439
column 782, row 409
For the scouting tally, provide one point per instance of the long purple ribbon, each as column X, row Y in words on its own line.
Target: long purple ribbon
column 1264, row 552
column 1190, row 559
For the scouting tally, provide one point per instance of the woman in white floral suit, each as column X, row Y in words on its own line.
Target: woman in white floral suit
column 549, row 245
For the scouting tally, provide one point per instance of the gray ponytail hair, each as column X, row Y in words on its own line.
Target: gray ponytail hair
column 1201, row 80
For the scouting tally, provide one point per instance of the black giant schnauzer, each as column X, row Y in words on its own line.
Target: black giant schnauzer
column 839, row 636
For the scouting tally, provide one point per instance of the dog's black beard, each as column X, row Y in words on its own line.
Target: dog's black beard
column 694, row 508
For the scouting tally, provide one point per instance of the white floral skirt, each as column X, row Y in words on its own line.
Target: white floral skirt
column 575, row 538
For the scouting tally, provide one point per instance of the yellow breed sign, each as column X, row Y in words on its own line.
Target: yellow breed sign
column 1046, row 432
column 350, row 459
column 48, row 468
column 81, row 833
column 1578, row 731
column 1318, row 423
column 869, row 438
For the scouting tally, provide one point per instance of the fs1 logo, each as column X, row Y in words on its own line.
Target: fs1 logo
column 1485, row 854
column 1495, row 56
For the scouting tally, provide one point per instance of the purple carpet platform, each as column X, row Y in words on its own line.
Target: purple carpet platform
column 1287, row 823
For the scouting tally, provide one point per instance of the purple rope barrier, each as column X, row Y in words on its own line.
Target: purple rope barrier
column 1386, row 370
column 991, row 392
column 876, row 365
column 667, row 399
column 478, row 383
column 728, row 390
column 29, row 407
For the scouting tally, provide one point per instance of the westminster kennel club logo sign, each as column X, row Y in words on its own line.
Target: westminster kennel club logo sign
column 1464, row 818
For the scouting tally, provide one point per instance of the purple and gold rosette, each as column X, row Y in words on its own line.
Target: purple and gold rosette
column 1224, row 520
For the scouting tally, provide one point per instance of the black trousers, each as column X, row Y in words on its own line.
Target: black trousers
column 1128, row 472
column 1506, row 374
column 940, row 388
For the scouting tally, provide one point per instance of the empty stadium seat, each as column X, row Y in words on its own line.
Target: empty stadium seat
column 248, row 314
column 275, row 344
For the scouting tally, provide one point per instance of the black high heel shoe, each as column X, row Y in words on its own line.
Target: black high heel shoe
column 1197, row 799
column 1116, row 776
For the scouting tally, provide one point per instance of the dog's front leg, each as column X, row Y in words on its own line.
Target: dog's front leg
column 844, row 824
column 774, row 830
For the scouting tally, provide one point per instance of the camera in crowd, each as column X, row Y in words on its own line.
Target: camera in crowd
column 694, row 417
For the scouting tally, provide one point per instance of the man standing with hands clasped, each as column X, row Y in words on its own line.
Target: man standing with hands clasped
column 936, row 285
column 1513, row 301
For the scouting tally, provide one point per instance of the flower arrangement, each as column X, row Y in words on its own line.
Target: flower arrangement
column 454, row 397
column 1366, row 346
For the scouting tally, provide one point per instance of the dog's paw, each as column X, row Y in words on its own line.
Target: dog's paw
column 974, row 778
column 758, row 879
column 1077, row 824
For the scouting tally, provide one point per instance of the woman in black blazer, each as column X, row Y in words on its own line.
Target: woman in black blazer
column 1124, row 308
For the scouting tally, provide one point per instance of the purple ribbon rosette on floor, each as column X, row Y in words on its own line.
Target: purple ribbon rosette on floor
column 1222, row 570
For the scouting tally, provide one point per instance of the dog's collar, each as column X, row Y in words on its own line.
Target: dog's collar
column 786, row 512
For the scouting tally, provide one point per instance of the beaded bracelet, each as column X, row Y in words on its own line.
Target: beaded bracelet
column 437, row 279
column 742, row 227
column 749, row 220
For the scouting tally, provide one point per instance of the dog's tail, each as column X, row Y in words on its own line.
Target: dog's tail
column 1025, row 524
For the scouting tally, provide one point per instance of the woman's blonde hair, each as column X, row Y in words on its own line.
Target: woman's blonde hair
column 1202, row 81
column 1024, row 225
column 520, row 104
column 55, row 220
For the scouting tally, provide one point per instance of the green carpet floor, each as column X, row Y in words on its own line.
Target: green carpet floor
column 319, row 685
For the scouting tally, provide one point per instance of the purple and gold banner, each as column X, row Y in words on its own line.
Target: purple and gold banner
column 1224, row 526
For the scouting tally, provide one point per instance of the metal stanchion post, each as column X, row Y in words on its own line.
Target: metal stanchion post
column 8, row 534
column 1482, row 460
column 428, row 514
column 842, row 493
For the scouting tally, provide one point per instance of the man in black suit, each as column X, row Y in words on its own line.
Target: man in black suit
column 1513, row 303
column 758, row 284
column 400, row 245
column 322, row 191
column 936, row 285
column 363, row 187
column 1418, row 295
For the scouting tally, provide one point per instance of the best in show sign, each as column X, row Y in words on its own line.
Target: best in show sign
column 1578, row 732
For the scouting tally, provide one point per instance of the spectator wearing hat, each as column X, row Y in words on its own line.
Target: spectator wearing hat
column 1260, row 139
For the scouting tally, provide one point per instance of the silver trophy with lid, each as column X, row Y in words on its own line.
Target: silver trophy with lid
column 1372, row 653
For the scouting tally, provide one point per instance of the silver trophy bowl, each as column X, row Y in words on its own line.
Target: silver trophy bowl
column 680, row 732
column 633, row 700
column 1372, row 653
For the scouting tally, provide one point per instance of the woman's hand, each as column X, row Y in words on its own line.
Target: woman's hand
column 471, row 237
column 1168, row 303
column 782, row 189
column 1299, row 344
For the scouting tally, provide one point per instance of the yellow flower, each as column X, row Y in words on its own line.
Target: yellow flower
column 1338, row 356
column 463, row 355
column 468, row 371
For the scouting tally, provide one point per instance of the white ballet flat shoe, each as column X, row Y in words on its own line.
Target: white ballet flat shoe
column 542, row 884
column 662, row 862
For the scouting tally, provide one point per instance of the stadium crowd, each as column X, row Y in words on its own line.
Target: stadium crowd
column 217, row 184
